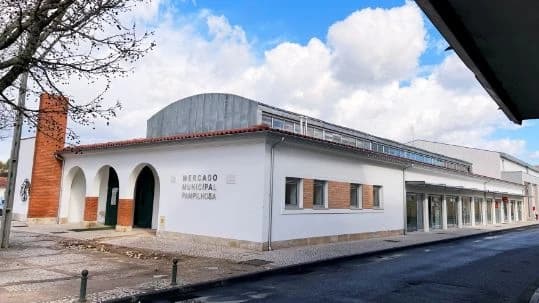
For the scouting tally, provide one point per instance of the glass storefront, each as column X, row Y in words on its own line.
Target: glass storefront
column 452, row 211
column 414, row 212
column 466, row 210
column 435, row 212
column 505, row 213
column 478, row 210
column 512, row 207
column 489, row 212
column 498, row 210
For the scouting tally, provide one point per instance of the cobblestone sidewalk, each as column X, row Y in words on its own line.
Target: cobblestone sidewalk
column 46, row 268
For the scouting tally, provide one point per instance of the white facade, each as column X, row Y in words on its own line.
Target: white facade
column 234, row 186
column 496, row 165
column 486, row 163
column 240, row 171
column 24, row 177
column 235, row 212
column 300, row 161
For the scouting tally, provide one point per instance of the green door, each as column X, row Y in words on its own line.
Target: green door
column 111, row 212
column 144, row 191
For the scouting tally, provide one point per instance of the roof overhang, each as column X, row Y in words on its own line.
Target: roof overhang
column 456, row 188
column 498, row 41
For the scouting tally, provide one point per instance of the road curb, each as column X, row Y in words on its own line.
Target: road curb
column 183, row 291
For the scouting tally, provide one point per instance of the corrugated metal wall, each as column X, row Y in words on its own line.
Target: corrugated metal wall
column 203, row 113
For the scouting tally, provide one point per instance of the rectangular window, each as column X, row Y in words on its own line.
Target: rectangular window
column 348, row 140
column 278, row 123
column 266, row 120
column 319, row 195
column 289, row 126
column 318, row 133
column 310, row 131
column 377, row 196
column 292, row 192
column 356, row 196
column 297, row 128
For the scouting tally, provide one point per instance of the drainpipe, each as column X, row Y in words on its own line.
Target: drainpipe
column 404, row 197
column 60, row 158
column 270, row 207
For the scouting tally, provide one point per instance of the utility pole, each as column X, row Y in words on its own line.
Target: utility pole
column 13, row 164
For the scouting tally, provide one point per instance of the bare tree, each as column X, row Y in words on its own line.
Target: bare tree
column 58, row 41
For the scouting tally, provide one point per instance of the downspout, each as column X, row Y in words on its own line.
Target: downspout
column 60, row 158
column 270, row 207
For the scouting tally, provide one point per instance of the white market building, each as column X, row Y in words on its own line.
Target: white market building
column 224, row 169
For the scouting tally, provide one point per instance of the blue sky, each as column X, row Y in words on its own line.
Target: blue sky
column 268, row 23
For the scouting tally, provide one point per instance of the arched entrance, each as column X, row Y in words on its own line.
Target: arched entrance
column 77, row 194
column 144, row 197
column 113, row 189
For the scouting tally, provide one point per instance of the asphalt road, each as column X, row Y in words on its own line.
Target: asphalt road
column 499, row 268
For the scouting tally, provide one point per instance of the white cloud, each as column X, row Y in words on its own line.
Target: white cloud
column 353, row 79
column 377, row 45
column 534, row 155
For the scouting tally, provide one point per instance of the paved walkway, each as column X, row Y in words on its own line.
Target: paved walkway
column 143, row 239
column 45, row 260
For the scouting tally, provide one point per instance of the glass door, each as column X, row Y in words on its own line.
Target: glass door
column 498, row 213
column 435, row 212
column 512, row 207
column 466, row 211
column 478, row 210
column 489, row 211
column 452, row 211
column 498, row 208
column 411, row 212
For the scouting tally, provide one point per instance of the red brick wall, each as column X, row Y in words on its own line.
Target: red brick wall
column 338, row 194
column 308, row 192
column 125, row 212
column 47, row 170
column 367, row 196
column 90, row 209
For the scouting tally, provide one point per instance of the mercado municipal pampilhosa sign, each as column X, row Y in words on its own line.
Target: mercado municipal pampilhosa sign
column 199, row 186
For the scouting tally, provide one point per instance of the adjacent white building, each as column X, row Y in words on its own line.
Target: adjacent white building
column 224, row 169
column 494, row 164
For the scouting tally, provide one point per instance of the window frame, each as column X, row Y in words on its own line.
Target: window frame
column 324, row 204
column 380, row 197
column 359, row 196
column 299, row 193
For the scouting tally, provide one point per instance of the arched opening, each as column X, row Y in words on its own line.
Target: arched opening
column 144, row 198
column 109, row 189
column 77, row 195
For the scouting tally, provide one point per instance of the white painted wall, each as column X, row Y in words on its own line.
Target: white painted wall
column 293, row 160
column 242, row 164
column 486, row 163
column 235, row 213
column 76, row 198
column 24, row 171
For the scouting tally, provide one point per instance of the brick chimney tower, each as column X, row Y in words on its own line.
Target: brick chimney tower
column 47, row 169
